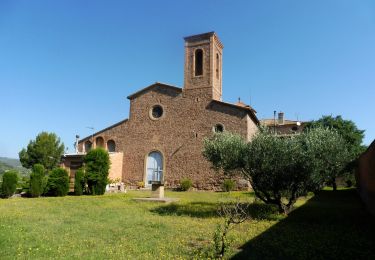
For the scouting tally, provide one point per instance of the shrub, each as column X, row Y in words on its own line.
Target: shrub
column 140, row 184
column 58, row 182
column 228, row 185
column 37, row 181
column 9, row 185
column 79, row 182
column 97, row 169
column 186, row 184
column 25, row 184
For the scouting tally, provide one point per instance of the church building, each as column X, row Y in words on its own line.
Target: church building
column 162, row 140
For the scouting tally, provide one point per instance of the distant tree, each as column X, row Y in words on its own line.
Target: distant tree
column 9, row 184
column 346, row 128
column 97, row 168
column 326, row 156
column 46, row 150
column 37, row 180
column 58, row 182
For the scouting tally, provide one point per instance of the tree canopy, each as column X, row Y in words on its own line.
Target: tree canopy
column 46, row 150
column 346, row 128
column 326, row 156
column 280, row 169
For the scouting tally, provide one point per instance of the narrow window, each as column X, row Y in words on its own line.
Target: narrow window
column 88, row 146
column 198, row 62
column 111, row 145
column 217, row 65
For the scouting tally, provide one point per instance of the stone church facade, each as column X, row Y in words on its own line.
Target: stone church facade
column 163, row 137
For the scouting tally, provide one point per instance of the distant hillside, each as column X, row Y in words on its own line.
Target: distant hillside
column 10, row 163
column 4, row 167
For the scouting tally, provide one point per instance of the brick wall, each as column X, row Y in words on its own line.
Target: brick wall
column 178, row 135
column 365, row 175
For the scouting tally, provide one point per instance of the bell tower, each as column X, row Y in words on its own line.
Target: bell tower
column 203, row 66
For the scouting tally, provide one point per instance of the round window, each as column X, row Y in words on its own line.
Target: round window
column 156, row 112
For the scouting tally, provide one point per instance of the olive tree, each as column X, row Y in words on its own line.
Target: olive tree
column 280, row 169
column 276, row 170
column 326, row 156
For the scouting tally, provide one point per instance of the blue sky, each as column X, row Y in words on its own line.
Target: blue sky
column 66, row 65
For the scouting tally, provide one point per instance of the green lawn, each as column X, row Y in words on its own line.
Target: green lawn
column 331, row 225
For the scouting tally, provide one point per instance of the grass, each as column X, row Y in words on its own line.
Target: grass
column 115, row 226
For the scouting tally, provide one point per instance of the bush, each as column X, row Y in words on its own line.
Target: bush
column 25, row 184
column 79, row 182
column 37, row 181
column 186, row 184
column 140, row 184
column 58, row 182
column 97, row 169
column 228, row 185
column 9, row 185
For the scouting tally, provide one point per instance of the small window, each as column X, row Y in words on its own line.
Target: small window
column 111, row 146
column 198, row 62
column 217, row 65
column 219, row 128
column 156, row 112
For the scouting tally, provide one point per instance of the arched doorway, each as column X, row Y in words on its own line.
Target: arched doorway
column 154, row 167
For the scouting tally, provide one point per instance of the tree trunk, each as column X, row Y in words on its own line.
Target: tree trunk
column 334, row 185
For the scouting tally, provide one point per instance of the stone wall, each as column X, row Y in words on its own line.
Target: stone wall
column 365, row 176
column 178, row 135
column 211, row 79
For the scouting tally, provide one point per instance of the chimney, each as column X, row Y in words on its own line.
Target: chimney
column 280, row 118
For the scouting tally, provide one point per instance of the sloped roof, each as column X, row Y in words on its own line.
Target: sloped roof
column 246, row 108
column 156, row 84
column 101, row 131
column 271, row 122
